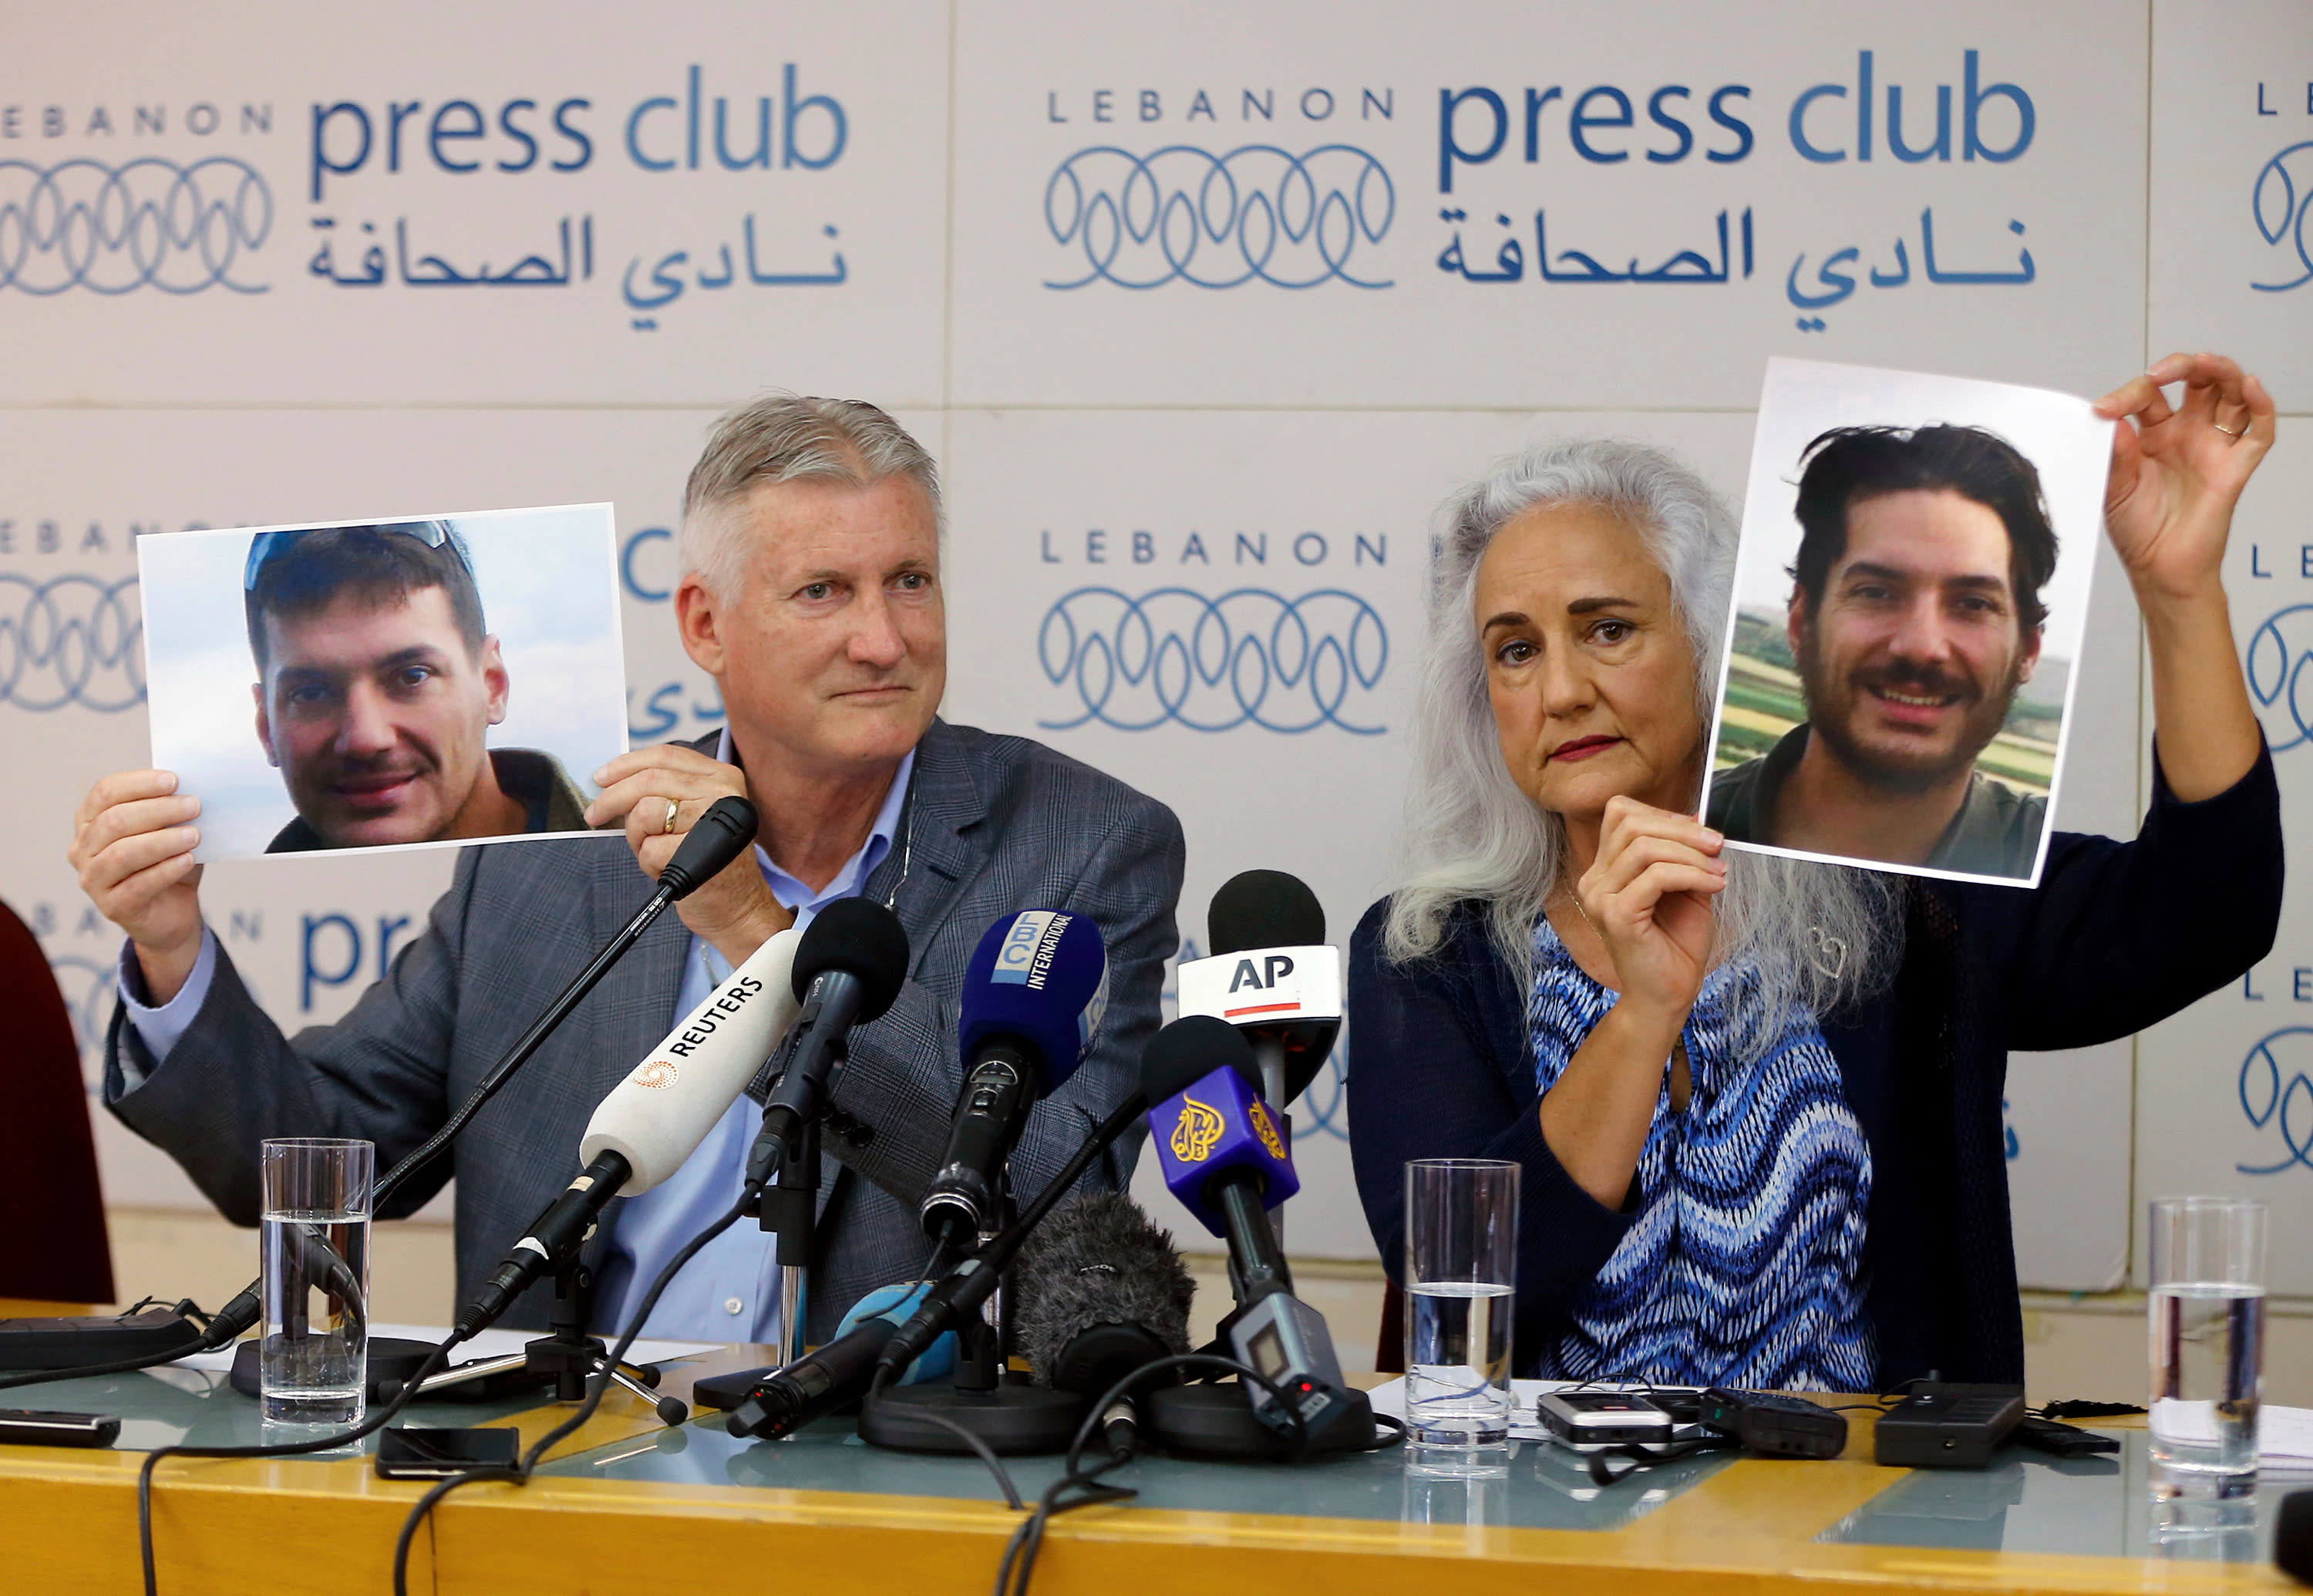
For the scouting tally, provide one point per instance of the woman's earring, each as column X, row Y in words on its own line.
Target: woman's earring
column 1831, row 954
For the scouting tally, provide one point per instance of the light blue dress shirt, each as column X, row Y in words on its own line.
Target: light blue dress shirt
column 729, row 1291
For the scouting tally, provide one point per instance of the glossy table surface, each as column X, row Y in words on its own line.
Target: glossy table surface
column 628, row 1504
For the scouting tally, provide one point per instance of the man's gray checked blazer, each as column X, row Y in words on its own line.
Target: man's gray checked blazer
column 999, row 823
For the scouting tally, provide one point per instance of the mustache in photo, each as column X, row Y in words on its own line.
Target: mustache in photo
column 1920, row 681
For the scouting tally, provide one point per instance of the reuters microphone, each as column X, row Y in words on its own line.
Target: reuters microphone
column 648, row 1123
column 656, row 1117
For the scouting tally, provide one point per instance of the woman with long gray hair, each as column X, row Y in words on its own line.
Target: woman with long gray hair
column 1756, row 1100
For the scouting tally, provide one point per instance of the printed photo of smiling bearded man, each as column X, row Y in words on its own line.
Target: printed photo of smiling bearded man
column 1915, row 615
column 377, row 684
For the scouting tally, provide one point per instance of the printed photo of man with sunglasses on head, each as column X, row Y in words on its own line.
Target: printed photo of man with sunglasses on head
column 377, row 682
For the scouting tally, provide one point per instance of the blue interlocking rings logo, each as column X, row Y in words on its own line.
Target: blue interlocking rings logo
column 2275, row 664
column 147, row 223
column 2274, row 1091
column 2281, row 203
column 1220, row 221
column 72, row 640
column 1249, row 656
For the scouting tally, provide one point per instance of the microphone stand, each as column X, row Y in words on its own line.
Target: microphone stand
column 1270, row 1050
column 790, row 1206
column 568, row 1355
column 788, row 1203
column 1011, row 1416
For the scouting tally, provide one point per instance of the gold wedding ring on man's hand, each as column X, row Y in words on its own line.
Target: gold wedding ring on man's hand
column 673, row 809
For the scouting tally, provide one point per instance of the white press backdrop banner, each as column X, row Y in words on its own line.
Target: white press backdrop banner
column 1203, row 310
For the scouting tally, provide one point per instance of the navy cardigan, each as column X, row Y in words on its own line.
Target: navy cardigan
column 2117, row 936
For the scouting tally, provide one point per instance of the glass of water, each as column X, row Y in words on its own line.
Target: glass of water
column 313, row 1367
column 1461, row 1279
column 2207, row 1344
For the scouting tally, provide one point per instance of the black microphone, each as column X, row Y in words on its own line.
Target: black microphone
column 1174, row 1061
column 553, row 1239
column 818, row 1382
column 1098, row 1292
column 848, row 969
column 2293, row 1537
column 723, row 834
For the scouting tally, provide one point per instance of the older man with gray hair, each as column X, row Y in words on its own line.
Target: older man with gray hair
column 811, row 592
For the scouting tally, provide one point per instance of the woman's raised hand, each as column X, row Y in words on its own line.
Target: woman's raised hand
column 1648, row 894
column 2178, row 471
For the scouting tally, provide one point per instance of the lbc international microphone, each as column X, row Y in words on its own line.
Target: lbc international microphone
column 1272, row 975
column 1170, row 1063
column 1032, row 997
column 849, row 968
column 653, row 1119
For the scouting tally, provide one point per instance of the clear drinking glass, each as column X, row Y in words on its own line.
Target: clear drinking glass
column 313, row 1367
column 1461, row 1279
column 2207, row 1344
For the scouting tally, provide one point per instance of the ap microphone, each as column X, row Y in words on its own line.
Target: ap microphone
column 849, row 968
column 652, row 1121
column 1272, row 975
column 1032, row 997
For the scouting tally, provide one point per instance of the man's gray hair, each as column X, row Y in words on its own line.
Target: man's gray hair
column 1816, row 935
column 787, row 437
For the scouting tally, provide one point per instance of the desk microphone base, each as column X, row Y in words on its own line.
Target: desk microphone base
column 1013, row 1420
column 1215, row 1421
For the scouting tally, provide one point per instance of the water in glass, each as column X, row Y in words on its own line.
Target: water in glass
column 1458, row 1362
column 314, row 1361
column 2206, row 1354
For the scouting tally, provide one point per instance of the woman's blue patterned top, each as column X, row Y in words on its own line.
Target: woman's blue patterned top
column 1743, row 1267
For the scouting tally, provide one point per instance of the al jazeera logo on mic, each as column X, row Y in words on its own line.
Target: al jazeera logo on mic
column 1221, row 1120
column 1200, row 1128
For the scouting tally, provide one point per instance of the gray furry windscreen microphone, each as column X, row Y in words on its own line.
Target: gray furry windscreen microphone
column 1097, row 1292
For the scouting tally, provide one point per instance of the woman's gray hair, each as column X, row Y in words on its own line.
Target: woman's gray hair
column 786, row 438
column 1816, row 935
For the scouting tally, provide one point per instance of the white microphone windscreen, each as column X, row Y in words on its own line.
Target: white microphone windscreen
column 661, row 1112
column 1262, row 986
